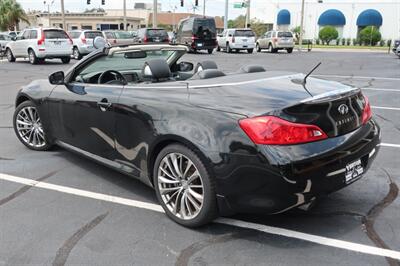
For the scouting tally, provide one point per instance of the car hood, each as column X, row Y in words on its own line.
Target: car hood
column 253, row 94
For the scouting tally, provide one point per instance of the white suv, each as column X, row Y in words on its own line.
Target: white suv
column 236, row 39
column 83, row 42
column 276, row 40
column 40, row 43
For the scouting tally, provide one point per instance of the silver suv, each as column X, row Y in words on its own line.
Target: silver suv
column 83, row 42
column 276, row 40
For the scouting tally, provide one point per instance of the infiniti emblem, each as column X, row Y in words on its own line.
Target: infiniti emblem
column 343, row 109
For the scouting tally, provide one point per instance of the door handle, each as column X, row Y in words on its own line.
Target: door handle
column 104, row 105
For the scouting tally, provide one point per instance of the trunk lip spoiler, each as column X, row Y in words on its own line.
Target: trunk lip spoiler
column 331, row 95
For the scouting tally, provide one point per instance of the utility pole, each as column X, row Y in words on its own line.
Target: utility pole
column 63, row 16
column 301, row 25
column 155, row 13
column 247, row 14
column 226, row 14
column 125, row 29
column 204, row 8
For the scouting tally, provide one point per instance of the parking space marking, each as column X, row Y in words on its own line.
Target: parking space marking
column 386, row 108
column 356, row 77
column 390, row 145
column 331, row 242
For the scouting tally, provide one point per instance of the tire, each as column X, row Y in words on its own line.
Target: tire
column 228, row 48
column 270, row 49
column 197, row 197
column 250, row 51
column 32, row 57
column 10, row 56
column 210, row 51
column 41, row 60
column 66, row 60
column 32, row 136
column 76, row 54
column 258, row 48
column 218, row 48
column 289, row 50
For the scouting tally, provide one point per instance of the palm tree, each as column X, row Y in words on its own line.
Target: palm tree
column 11, row 13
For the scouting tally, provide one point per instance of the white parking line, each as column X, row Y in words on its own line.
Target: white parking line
column 386, row 108
column 356, row 77
column 259, row 227
column 390, row 145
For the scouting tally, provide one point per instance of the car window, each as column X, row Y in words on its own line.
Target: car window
column 186, row 26
column 123, row 35
column 75, row 34
column 109, row 35
column 244, row 33
column 285, row 34
column 204, row 25
column 93, row 34
column 33, row 34
column 26, row 34
column 119, row 62
column 55, row 34
column 156, row 32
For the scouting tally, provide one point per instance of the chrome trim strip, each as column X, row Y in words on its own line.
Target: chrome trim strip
column 336, row 172
column 330, row 95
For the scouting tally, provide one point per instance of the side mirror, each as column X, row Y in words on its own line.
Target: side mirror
column 185, row 66
column 57, row 78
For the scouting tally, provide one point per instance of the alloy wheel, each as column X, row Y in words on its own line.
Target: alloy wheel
column 29, row 127
column 9, row 55
column 181, row 186
column 31, row 57
column 76, row 54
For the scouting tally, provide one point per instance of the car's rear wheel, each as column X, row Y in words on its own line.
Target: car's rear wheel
column 32, row 57
column 184, row 187
column 258, row 48
column 66, row 60
column 270, row 48
column 28, row 127
column 10, row 56
column 76, row 54
column 289, row 50
column 250, row 51
column 210, row 51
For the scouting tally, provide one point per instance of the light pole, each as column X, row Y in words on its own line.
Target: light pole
column 247, row 14
column 301, row 25
column 48, row 9
column 125, row 29
column 226, row 14
column 63, row 15
column 204, row 8
column 154, row 13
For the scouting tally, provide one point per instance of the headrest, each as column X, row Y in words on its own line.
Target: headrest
column 252, row 69
column 156, row 69
column 207, row 64
column 208, row 73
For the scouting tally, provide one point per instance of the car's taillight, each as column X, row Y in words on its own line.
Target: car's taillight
column 83, row 39
column 274, row 39
column 276, row 131
column 194, row 37
column 367, row 112
column 42, row 38
column 233, row 39
column 115, row 41
column 145, row 39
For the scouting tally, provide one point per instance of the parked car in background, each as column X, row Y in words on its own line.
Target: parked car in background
column 396, row 44
column 276, row 40
column 118, row 37
column 4, row 39
column 397, row 52
column 83, row 42
column 149, row 35
column 171, row 36
column 198, row 33
column 11, row 33
column 236, row 39
column 39, row 44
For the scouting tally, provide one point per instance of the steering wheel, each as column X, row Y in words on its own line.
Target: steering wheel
column 117, row 76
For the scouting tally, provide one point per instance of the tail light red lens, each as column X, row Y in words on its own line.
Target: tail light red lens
column 233, row 39
column 194, row 37
column 274, row 39
column 42, row 38
column 367, row 112
column 276, row 131
column 83, row 39
column 145, row 39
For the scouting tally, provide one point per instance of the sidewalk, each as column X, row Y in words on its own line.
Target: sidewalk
column 351, row 50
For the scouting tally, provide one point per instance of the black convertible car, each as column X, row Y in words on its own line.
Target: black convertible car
column 210, row 143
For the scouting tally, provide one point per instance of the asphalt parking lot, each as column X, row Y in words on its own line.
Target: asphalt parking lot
column 68, row 217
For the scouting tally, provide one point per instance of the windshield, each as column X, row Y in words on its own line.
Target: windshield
column 93, row 34
column 244, row 33
column 285, row 34
column 122, row 63
column 156, row 32
column 55, row 34
column 75, row 34
column 123, row 35
column 204, row 25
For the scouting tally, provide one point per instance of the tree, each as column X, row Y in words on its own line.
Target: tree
column 11, row 13
column 256, row 25
column 370, row 35
column 327, row 34
column 296, row 31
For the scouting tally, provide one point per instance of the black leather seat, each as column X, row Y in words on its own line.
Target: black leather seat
column 252, row 69
column 208, row 74
column 203, row 65
column 156, row 70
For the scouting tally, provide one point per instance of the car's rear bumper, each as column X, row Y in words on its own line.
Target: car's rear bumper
column 86, row 49
column 284, row 46
column 48, row 53
column 284, row 177
column 243, row 46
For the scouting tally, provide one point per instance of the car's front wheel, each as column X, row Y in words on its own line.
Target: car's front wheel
column 66, row 60
column 76, row 54
column 28, row 127
column 184, row 187
column 10, row 56
column 258, row 48
column 210, row 51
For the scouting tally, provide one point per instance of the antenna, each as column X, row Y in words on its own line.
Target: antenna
column 309, row 73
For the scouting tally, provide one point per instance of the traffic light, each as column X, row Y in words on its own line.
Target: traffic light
column 103, row 2
column 181, row 2
column 196, row 2
column 88, row 2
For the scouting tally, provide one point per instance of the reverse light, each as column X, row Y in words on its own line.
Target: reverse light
column 276, row 131
column 42, row 38
column 367, row 112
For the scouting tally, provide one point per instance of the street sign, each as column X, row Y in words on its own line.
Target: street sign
column 239, row 5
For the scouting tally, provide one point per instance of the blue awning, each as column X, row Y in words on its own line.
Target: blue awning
column 332, row 17
column 283, row 17
column 369, row 17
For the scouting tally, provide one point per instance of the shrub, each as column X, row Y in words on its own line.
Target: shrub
column 327, row 34
column 348, row 41
column 370, row 35
column 338, row 41
column 317, row 41
column 343, row 41
column 355, row 41
column 382, row 43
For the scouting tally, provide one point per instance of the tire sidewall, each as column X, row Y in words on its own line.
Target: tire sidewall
column 19, row 107
column 208, row 211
